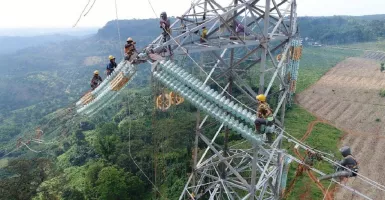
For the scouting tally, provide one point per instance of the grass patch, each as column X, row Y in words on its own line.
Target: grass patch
column 374, row 46
column 323, row 137
column 316, row 62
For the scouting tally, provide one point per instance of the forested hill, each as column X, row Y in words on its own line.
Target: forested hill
column 342, row 29
column 328, row 30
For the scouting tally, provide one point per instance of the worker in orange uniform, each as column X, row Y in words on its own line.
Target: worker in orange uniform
column 129, row 49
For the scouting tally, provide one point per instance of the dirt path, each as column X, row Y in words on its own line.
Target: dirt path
column 327, row 193
column 347, row 97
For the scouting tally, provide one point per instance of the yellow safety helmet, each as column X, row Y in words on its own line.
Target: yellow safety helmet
column 130, row 39
column 96, row 72
column 111, row 57
column 261, row 97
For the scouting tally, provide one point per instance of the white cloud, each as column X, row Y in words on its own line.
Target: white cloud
column 64, row 13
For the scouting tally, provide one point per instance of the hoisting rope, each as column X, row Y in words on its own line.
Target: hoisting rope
column 327, row 190
column 117, row 24
column 76, row 23
column 84, row 9
column 90, row 8
column 129, row 151
column 149, row 2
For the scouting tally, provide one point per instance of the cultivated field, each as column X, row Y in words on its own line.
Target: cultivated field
column 348, row 97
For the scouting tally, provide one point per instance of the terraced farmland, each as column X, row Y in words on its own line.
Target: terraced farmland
column 348, row 97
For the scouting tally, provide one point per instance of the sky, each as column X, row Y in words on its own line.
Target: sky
column 64, row 13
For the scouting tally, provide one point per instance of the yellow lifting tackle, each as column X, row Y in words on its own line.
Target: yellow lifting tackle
column 279, row 57
column 163, row 102
column 296, row 53
column 176, row 99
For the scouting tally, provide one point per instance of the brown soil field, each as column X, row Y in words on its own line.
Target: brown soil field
column 348, row 97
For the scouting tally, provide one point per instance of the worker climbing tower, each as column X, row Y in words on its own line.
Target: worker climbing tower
column 241, row 48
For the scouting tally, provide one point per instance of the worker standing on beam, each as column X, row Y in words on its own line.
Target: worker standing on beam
column 129, row 49
column 165, row 26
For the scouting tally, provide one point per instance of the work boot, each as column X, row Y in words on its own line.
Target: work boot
column 269, row 137
column 258, row 129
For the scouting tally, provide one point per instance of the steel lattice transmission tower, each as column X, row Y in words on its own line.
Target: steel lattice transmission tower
column 235, row 41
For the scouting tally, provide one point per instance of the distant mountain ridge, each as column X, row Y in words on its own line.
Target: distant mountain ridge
column 342, row 29
column 10, row 44
column 370, row 17
column 28, row 32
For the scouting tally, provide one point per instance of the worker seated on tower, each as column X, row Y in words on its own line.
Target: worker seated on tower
column 130, row 50
column 240, row 29
column 264, row 116
column 348, row 167
column 96, row 80
column 204, row 35
column 111, row 65
column 240, row 32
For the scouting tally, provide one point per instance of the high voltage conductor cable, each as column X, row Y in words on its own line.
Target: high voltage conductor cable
column 360, row 176
column 46, row 143
column 30, row 148
column 364, row 178
column 321, row 173
column 302, row 143
column 10, row 152
column 21, row 146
